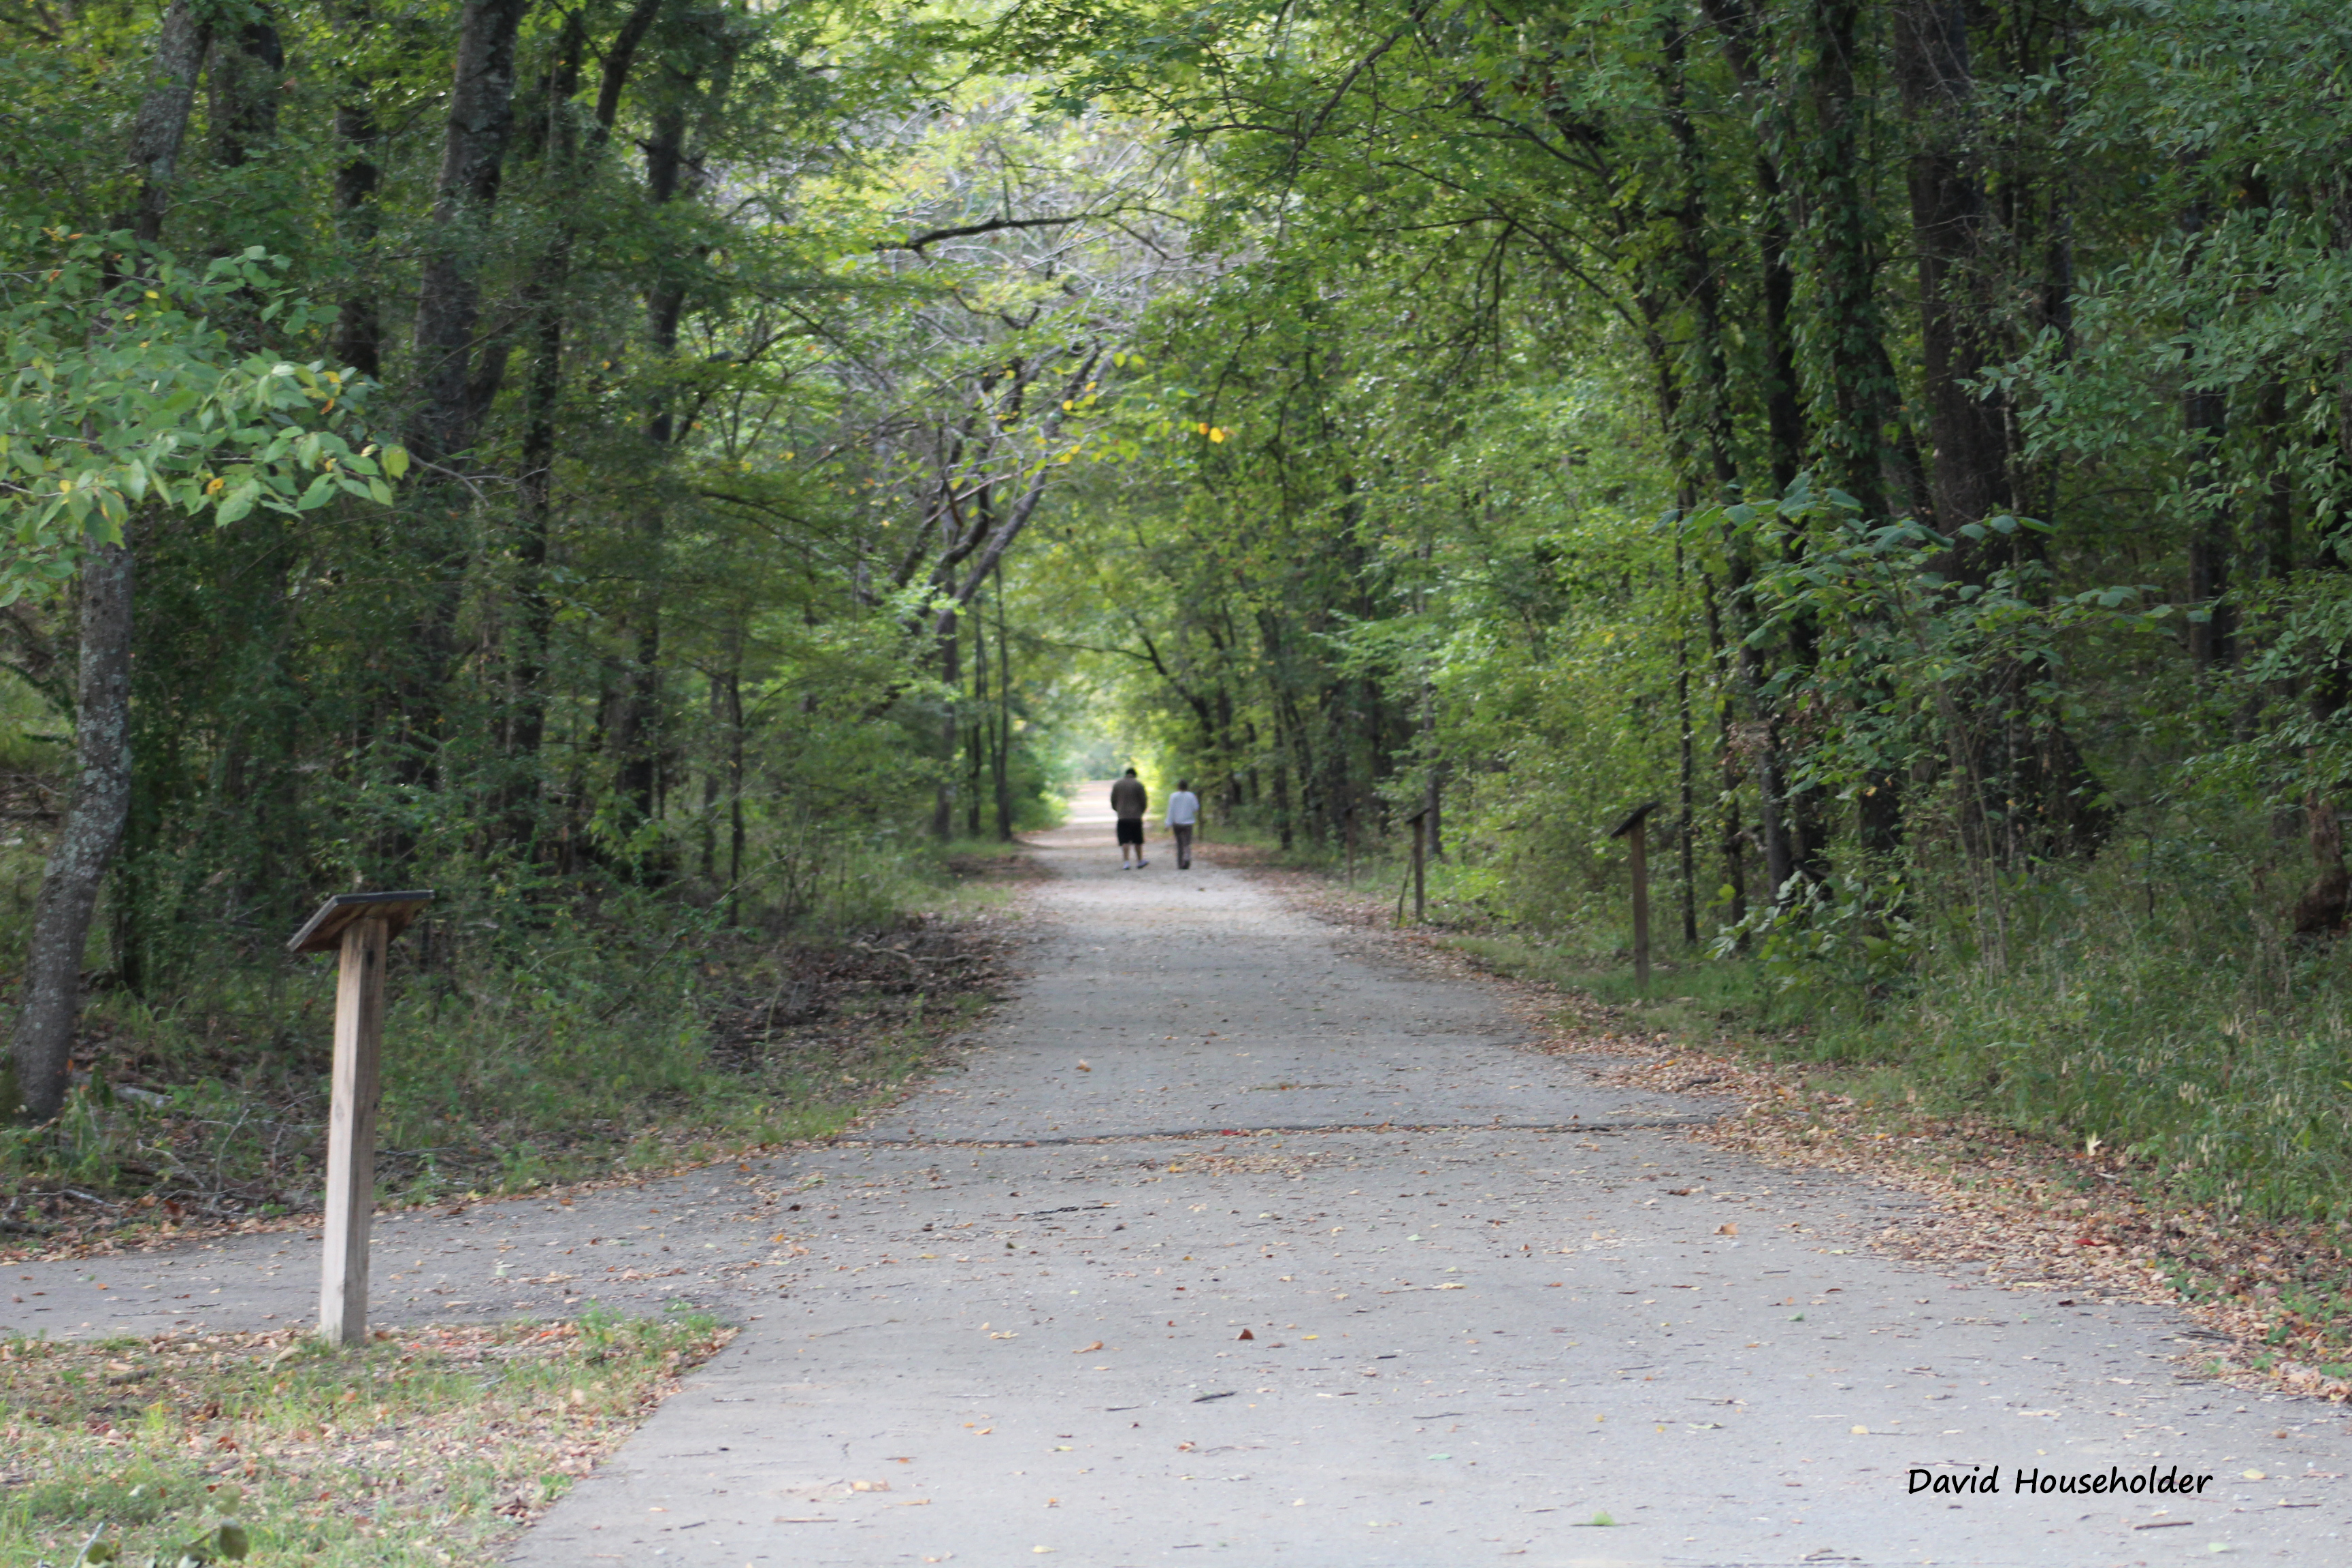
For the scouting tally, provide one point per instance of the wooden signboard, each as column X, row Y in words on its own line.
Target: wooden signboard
column 361, row 927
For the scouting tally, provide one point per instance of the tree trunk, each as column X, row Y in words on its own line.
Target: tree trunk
column 1862, row 392
column 665, row 305
column 163, row 123
column 451, row 396
column 1701, row 391
column 2205, row 420
column 1968, row 431
column 949, row 656
column 1686, row 758
column 473, row 158
column 979, row 732
column 735, row 785
column 1003, row 780
column 568, row 169
column 1760, row 738
column 2320, row 910
column 86, row 843
column 358, row 337
column 246, row 72
column 1784, row 414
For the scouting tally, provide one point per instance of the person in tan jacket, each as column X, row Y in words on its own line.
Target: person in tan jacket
column 1129, row 803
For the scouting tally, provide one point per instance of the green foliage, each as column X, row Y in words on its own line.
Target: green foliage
column 1570, row 439
column 126, row 391
column 1831, row 942
column 638, row 678
column 2147, row 1002
column 1536, row 413
column 522, row 1050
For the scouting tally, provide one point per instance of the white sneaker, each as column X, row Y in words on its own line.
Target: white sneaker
column 1140, row 865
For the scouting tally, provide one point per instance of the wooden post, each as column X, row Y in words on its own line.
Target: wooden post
column 1635, row 829
column 1412, row 877
column 351, row 1134
column 1420, row 843
column 1640, row 847
column 361, row 927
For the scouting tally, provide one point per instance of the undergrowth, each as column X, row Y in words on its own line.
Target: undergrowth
column 426, row 1447
column 2143, row 1007
column 523, row 1048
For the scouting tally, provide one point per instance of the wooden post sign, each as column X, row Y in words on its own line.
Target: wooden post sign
column 1412, row 883
column 361, row 926
column 1419, row 860
column 1635, row 830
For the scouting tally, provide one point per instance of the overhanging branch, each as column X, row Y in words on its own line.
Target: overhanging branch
column 915, row 242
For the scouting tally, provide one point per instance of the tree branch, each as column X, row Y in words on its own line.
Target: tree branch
column 915, row 242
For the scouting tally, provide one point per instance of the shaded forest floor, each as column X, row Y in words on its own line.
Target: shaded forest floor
column 214, row 1122
column 2275, row 1298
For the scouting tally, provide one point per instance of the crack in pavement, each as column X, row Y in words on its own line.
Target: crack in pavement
column 878, row 1140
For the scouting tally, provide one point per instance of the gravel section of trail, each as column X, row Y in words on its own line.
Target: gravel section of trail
column 1229, row 1238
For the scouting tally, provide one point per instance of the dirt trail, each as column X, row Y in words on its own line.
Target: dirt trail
column 1494, row 1308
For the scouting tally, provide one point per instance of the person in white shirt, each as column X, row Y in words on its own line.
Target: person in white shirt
column 1184, row 812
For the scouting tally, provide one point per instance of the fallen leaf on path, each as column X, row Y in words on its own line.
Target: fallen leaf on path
column 1245, row 1334
column 1727, row 1230
column 1084, row 1349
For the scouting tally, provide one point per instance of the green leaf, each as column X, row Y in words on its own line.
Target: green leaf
column 231, row 1541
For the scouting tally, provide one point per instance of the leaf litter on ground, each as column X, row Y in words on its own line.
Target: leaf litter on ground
column 430, row 1445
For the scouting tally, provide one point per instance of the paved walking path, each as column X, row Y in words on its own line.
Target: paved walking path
column 1496, row 1310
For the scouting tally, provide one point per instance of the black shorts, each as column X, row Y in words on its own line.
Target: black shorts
column 1130, row 830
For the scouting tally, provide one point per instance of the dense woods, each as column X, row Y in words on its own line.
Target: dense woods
column 646, row 469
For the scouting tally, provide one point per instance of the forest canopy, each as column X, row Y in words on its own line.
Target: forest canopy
column 655, row 458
